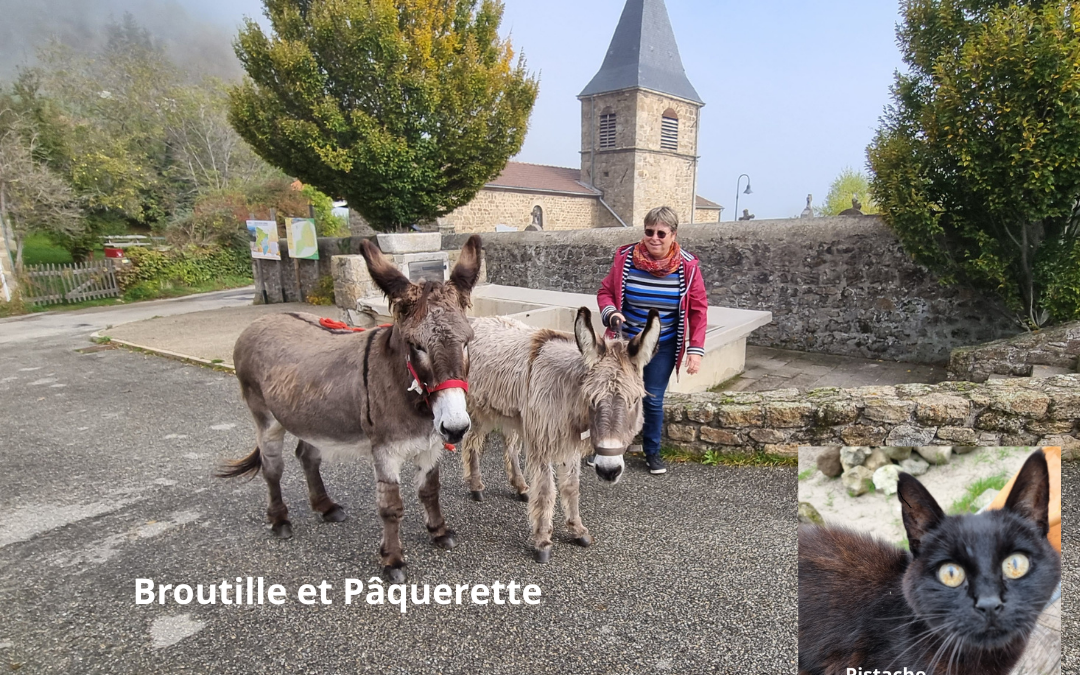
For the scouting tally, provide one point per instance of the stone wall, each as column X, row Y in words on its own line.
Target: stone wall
column 508, row 207
column 834, row 285
column 1000, row 412
column 706, row 215
column 1058, row 347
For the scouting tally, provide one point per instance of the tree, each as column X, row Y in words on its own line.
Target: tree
column 33, row 198
column 977, row 161
column 405, row 108
column 849, row 184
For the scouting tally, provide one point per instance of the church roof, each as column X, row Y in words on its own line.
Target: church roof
column 522, row 176
column 643, row 53
column 703, row 203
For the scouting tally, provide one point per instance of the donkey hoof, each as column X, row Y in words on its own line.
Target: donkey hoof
column 477, row 495
column 445, row 542
column 523, row 496
column 282, row 530
column 396, row 575
column 542, row 555
column 334, row 515
column 584, row 540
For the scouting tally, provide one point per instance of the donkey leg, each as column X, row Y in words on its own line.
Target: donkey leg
column 427, row 489
column 511, row 458
column 391, row 510
column 569, row 476
column 271, row 441
column 311, row 459
column 472, row 448
column 541, row 503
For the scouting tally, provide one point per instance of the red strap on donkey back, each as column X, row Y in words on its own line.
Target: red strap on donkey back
column 334, row 324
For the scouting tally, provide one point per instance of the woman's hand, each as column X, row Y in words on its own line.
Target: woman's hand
column 693, row 363
column 616, row 321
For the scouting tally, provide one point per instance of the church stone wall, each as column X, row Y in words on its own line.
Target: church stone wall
column 663, row 180
column 706, row 215
column 514, row 209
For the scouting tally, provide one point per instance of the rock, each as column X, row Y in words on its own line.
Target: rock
column 891, row 410
column 790, row 450
column 938, row 409
column 720, row 436
column 835, row 413
column 808, row 515
column 935, row 454
column 734, row 415
column 857, row 480
column 984, row 499
column 828, row 462
column 876, row 460
column 886, row 478
column 767, row 436
column 914, row 466
column 788, row 414
column 700, row 412
column 905, row 434
column 853, row 456
column 957, row 435
column 897, row 453
column 682, row 432
column 963, row 449
column 860, row 434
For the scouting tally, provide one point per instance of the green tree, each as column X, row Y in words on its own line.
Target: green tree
column 846, row 186
column 977, row 161
column 405, row 108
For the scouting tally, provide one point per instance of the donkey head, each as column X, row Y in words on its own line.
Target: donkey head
column 430, row 320
column 613, row 387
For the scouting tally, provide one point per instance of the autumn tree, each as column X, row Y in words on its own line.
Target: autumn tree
column 849, row 184
column 977, row 161
column 405, row 108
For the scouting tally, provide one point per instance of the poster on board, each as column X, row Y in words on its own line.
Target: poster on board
column 263, row 237
column 302, row 239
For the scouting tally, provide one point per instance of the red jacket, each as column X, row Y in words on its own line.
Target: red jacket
column 693, row 305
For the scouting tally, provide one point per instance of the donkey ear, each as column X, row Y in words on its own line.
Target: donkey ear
column 590, row 348
column 921, row 512
column 642, row 348
column 467, row 269
column 385, row 275
column 1030, row 494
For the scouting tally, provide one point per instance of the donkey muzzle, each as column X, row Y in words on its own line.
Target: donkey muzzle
column 609, row 468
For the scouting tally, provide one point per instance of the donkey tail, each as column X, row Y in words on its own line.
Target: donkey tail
column 247, row 467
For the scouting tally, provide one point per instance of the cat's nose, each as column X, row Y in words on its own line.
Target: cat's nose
column 989, row 604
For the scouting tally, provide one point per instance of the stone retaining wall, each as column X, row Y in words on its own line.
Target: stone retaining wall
column 834, row 285
column 999, row 412
column 1058, row 347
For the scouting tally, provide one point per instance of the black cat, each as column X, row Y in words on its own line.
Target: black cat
column 963, row 602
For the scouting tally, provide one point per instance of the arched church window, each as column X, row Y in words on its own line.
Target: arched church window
column 607, row 128
column 669, row 130
column 537, row 218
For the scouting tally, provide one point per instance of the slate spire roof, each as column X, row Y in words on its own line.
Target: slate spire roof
column 643, row 53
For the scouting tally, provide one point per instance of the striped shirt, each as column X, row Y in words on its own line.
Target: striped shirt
column 643, row 292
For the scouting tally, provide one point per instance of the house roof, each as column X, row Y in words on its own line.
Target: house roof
column 524, row 176
column 702, row 203
column 643, row 53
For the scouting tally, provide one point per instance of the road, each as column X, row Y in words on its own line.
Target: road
column 105, row 478
column 35, row 327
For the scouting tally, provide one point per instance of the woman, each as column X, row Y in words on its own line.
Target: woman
column 655, row 273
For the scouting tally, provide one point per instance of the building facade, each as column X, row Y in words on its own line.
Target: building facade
column 639, row 145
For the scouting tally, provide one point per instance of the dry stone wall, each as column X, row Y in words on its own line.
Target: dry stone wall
column 999, row 412
column 1058, row 347
column 834, row 285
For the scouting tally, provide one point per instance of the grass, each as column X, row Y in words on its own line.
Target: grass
column 966, row 503
column 803, row 475
column 38, row 249
column 716, row 458
column 716, row 389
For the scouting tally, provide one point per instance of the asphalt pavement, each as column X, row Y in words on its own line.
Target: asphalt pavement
column 105, row 478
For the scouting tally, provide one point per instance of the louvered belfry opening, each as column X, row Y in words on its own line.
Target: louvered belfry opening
column 607, row 130
column 669, row 131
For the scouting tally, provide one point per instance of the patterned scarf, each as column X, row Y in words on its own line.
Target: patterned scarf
column 658, row 268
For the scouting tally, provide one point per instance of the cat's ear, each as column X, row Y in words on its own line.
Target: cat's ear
column 1030, row 494
column 921, row 512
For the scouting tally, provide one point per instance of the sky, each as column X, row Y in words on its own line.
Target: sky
column 793, row 90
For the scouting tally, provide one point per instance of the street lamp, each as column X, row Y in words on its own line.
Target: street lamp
column 748, row 192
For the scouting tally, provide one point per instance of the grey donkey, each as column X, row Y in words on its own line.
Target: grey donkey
column 564, row 396
column 396, row 393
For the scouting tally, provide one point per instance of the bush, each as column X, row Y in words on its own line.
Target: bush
column 323, row 293
column 151, row 271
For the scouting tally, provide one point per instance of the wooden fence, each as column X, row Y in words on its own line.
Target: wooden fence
column 51, row 284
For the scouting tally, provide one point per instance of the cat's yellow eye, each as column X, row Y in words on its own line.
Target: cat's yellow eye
column 951, row 574
column 1015, row 566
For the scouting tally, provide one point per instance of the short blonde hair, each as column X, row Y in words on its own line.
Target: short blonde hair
column 664, row 215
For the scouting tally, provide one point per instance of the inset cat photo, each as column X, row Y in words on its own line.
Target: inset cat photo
column 940, row 560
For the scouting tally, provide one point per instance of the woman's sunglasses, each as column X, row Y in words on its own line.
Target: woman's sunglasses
column 659, row 234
